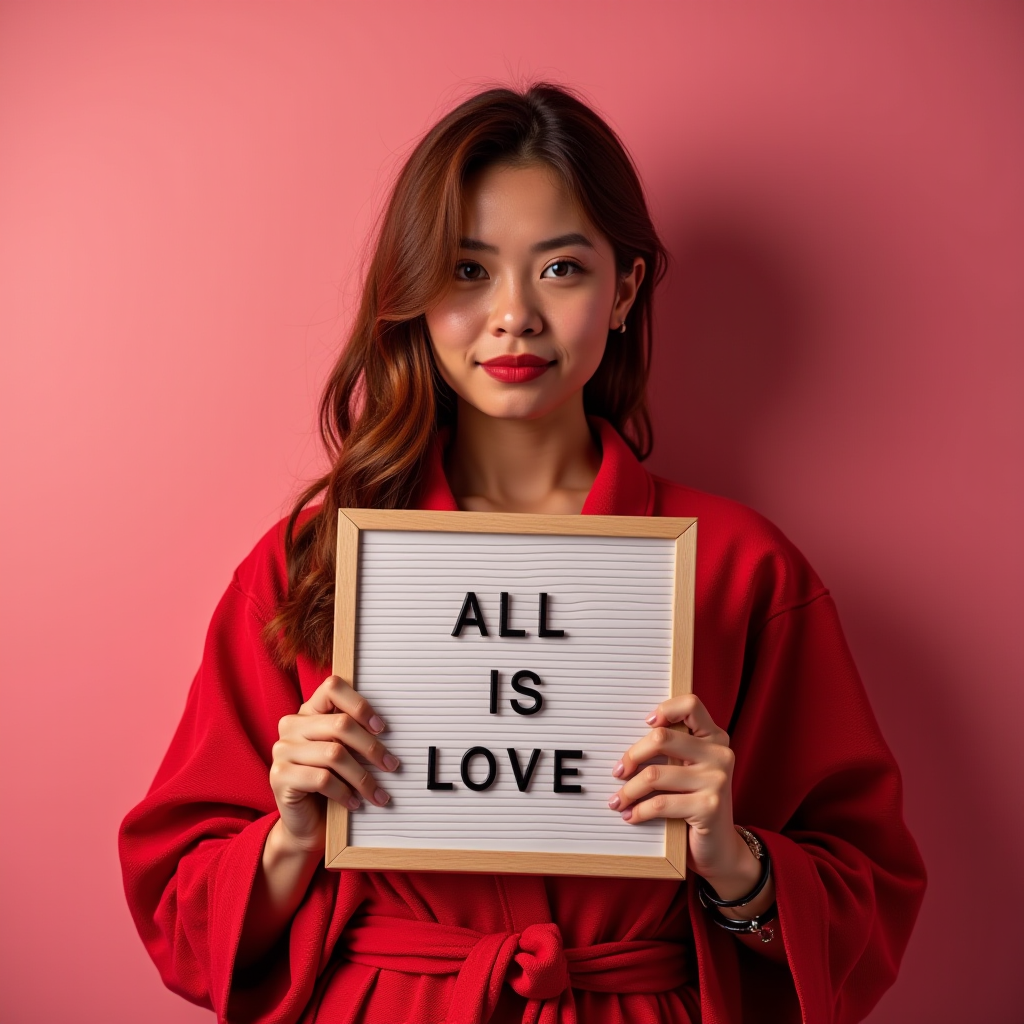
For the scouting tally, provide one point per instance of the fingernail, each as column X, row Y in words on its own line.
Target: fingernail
column 353, row 803
column 651, row 719
column 380, row 798
column 627, row 814
column 614, row 802
column 376, row 724
column 618, row 770
column 390, row 762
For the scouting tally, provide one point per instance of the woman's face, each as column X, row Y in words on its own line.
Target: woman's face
column 532, row 299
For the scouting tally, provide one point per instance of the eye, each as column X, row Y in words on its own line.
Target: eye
column 467, row 270
column 562, row 268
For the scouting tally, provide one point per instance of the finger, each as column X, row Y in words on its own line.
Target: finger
column 334, row 694
column 672, row 742
column 289, row 780
column 337, row 758
column 688, row 710
column 657, row 778
column 691, row 807
column 340, row 728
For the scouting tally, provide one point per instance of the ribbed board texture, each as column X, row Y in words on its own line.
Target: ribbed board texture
column 613, row 598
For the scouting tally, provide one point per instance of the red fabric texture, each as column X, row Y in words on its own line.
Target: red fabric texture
column 813, row 778
column 533, row 963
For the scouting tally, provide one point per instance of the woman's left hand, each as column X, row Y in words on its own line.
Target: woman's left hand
column 697, row 788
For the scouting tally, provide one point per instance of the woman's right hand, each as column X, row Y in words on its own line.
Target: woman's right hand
column 313, row 760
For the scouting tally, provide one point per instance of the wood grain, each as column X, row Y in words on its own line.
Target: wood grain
column 676, row 838
column 499, row 862
column 518, row 522
column 344, row 654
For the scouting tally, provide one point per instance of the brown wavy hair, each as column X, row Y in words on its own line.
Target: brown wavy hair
column 384, row 400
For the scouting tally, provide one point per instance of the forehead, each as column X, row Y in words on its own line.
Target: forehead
column 520, row 203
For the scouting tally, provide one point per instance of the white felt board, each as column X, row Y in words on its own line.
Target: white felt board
column 613, row 597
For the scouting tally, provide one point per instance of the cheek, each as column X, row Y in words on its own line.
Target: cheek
column 452, row 329
column 583, row 328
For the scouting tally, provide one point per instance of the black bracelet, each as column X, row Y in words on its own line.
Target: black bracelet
column 754, row 926
column 710, row 898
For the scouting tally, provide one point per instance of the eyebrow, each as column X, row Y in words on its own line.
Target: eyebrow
column 573, row 238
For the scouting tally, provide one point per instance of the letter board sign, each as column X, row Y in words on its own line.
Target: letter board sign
column 514, row 659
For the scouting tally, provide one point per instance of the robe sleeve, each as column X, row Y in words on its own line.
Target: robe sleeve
column 816, row 781
column 190, row 850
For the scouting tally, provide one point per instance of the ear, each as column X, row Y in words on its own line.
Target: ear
column 629, row 285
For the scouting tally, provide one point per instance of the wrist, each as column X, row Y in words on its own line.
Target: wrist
column 751, row 911
column 282, row 846
column 738, row 871
column 282, row 878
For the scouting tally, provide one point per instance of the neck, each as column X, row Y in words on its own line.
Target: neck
column 508, row 465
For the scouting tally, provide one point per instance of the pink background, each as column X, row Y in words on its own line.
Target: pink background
column 184, row 194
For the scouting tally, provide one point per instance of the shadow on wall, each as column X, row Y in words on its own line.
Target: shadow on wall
column 731, row 325
column 738, row 366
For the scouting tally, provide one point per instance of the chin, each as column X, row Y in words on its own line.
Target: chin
column 518, row 411
column 520, row 408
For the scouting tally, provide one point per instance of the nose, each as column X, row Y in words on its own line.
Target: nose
column 515, row 312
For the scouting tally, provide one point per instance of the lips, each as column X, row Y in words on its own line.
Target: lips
column 516, row 369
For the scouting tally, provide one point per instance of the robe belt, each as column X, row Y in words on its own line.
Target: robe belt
column 533, row 962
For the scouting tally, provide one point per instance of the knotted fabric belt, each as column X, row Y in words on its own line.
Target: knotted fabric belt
column 532, row 961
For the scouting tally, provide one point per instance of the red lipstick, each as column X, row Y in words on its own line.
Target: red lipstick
column 516, row 369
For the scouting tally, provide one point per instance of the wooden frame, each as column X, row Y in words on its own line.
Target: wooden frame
column 351, row 523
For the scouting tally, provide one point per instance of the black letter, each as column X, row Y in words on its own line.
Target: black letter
column 465, row 620
column 494, row 691
column 566, row 787
column 503, row 629
column 432, row 782
column 522, row 781
column 528, row 691
column 542, row 628
column 492, row 768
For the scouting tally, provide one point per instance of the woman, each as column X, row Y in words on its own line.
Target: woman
column 498, row 362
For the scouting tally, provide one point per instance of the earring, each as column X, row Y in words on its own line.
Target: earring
column 622, row 327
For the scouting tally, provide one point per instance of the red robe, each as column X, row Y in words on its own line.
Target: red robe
column 813, row 778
